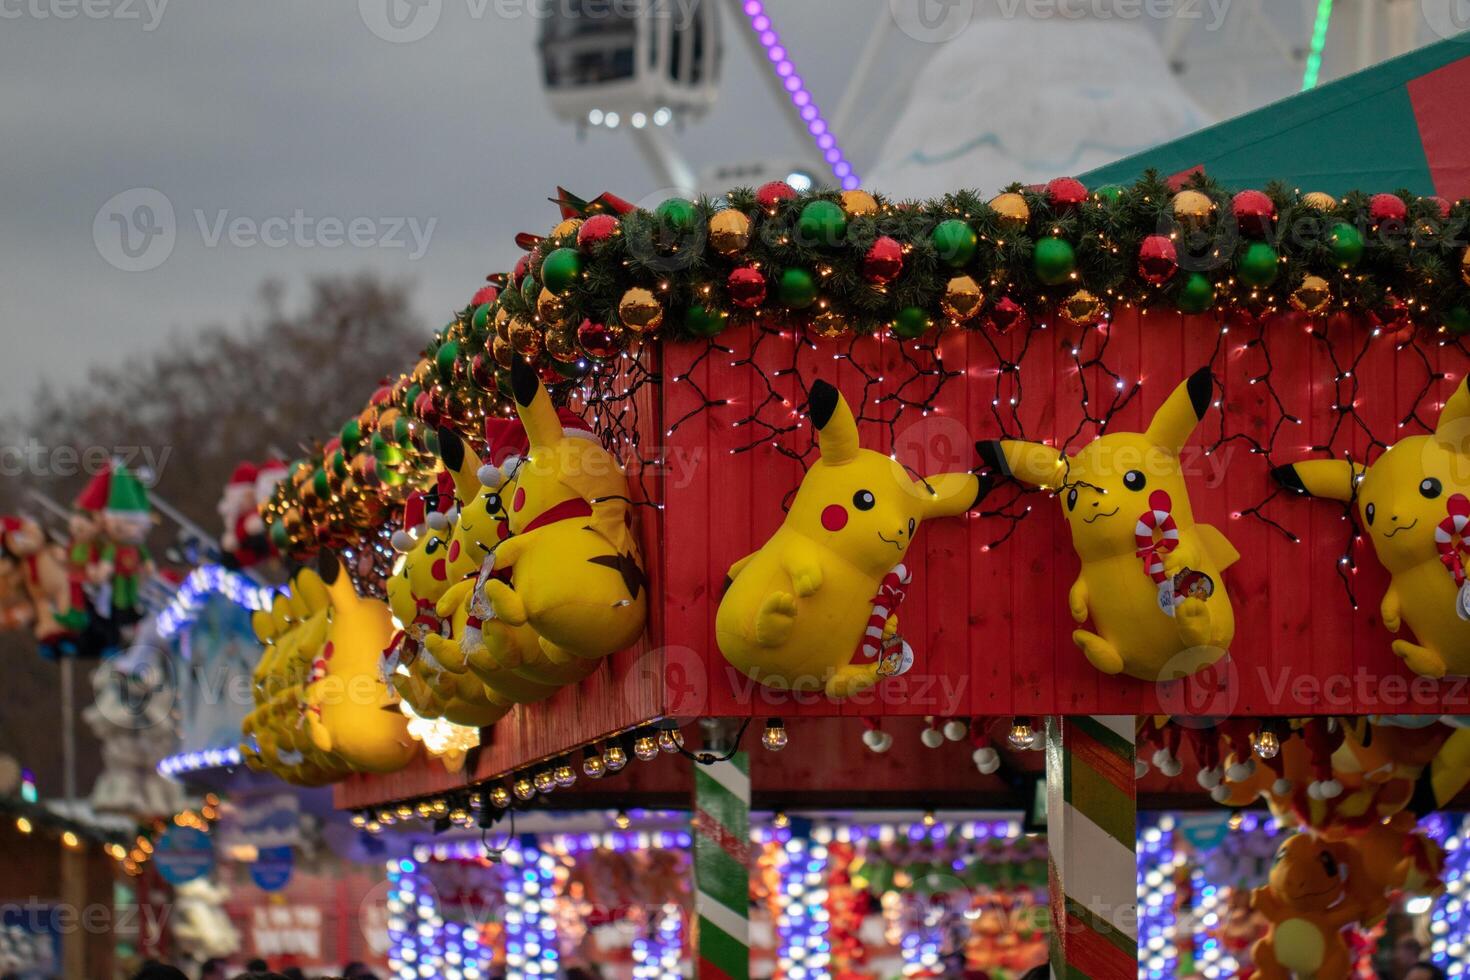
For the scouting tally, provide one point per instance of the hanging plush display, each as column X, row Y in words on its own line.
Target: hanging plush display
column 1151, row 577
column 126, row 561
column 1414, row 502
column 1308, row 902
column 816, row 608
column 44, row 583
column 576, row 576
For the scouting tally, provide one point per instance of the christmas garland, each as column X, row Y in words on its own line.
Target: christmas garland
column 831, row 264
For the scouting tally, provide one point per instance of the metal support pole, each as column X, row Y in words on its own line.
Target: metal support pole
column 1092, row 834
column 68, row 731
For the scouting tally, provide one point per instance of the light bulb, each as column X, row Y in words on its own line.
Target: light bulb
column 775, row 737
column 614, row 757
column 622, row 821
column 670, row 740
column 1022, row 736
column 781, row 821
column 359, row 821
column 524, row 789
column 593, row 764
column 545, row 782
column 404, row 811
column 564, row 775
column 1266, row 743
column 500, row 797
column 645, row 748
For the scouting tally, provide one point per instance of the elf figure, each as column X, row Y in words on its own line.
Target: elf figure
column 84, row 554
column 127, row 521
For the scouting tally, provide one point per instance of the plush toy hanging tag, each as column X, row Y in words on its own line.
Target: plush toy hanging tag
column 1407, row 506
column 815, row 608
column 1126, row 501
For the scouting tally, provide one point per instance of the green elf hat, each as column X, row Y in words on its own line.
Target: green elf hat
column 126, row 496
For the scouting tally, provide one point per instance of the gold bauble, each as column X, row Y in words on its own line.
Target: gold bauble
column 1319, row 201
column 526, row 338
column 550, row 308
column 1193, row 209
column 729, row 232
column 562, row 346
column 295, row 523
column 831, row 324
column 858, row 204
column 503, row 352
column 962, row 298
column 1312, row 296
column 1465, row 266
column 567, row 227
column 1011, row 210
column 1082, row 307
column 420, row 372
column 502, row 323
column 640, row 311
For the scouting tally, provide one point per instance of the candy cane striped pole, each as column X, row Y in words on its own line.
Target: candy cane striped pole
column 1092, row 833
column 722, row 869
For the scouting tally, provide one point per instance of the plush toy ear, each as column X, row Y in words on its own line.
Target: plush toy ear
column 1029, row 462
column 339, row 583
column 1330, row 479
column 460, row 463
column 312, row 590
column 1453, row 428
column 533, row 405
column 837, row 433
column 1175, row 420
column 264, row 625
column 949, row 494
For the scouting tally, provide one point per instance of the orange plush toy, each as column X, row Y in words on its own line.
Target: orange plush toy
column 1308, row 902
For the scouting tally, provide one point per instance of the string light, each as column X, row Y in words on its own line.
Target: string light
column 774, row 737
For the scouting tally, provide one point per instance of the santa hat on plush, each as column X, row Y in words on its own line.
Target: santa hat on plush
column 506, row 446
column 268, row 476
column 93, row 497
column 413, row 523
column 443, row 509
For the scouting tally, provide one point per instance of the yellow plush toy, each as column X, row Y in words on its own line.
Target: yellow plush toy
column 508, row 660
column 799, row 611
column 1150, row 578
column 576, row 576
column 419, row 580
column 1415, row 502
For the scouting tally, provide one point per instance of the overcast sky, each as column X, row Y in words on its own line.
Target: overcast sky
column 421, row 158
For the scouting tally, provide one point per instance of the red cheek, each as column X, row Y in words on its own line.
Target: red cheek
column 454, row 551
column 519, row 500
column 834, row 517
column 439, row 570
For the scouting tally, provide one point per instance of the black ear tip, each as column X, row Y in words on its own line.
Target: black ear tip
column 327, row 565
column 1287, row 476
column 1201, row 387
column 823, row 402
column 451, row 447
column 523, row 382
column 983, row 485
column 992, row 457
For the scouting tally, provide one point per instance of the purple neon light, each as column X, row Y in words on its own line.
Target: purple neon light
column 760, row 22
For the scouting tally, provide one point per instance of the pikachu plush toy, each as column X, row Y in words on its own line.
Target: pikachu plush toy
column 508, row 660
column 799, row 611
column 575, row 574
column 1414, row 501
column 1150, row 579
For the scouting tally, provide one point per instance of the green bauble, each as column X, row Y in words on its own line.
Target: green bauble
column 560, row 269
column 1457, row 319
column 321, row 484
column 822, row 223
column 351, row 435
column 530, row 291
column 385, row 451
column 279, row 537
column 1054, row 260
column 1196, row 295
column 797, row 289
column 705, row 321
column 675, row 214
column 955, row 242
column 445, row 358
column 481, row 320
column 1111, row 193
column 912, row 321
column 1259, row 264
column 1347, row 245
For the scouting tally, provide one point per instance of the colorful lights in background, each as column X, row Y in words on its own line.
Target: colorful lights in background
column 530, row 917
column 422, row 944
column 1449, row 922
column 1313, row 70
column 203, row 582
column 803, row 951
column 657, row 953
column 806, row 106
column 183, row 763
column 1158, row 863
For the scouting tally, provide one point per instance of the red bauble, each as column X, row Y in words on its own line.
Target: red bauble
column 482, row 371
column 1158, row 259
column 1393, row 314
column 1387, row 207
column 1005, row 314
column 1065, row 193
column 550, row 376
column 483, row 295
column 1254, row 212
column 523, row 265
column 747, row 287
column 883, row 262
column 770, row 194
column 601, row 340
column 596, row 230
column 1442, row 205
column 426, row 410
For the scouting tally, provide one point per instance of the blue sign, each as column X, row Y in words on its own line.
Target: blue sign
column 30, row 944
column 183, row 854
column 272, row 868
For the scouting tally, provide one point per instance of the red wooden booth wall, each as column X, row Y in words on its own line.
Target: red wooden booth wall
column 990, row 626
